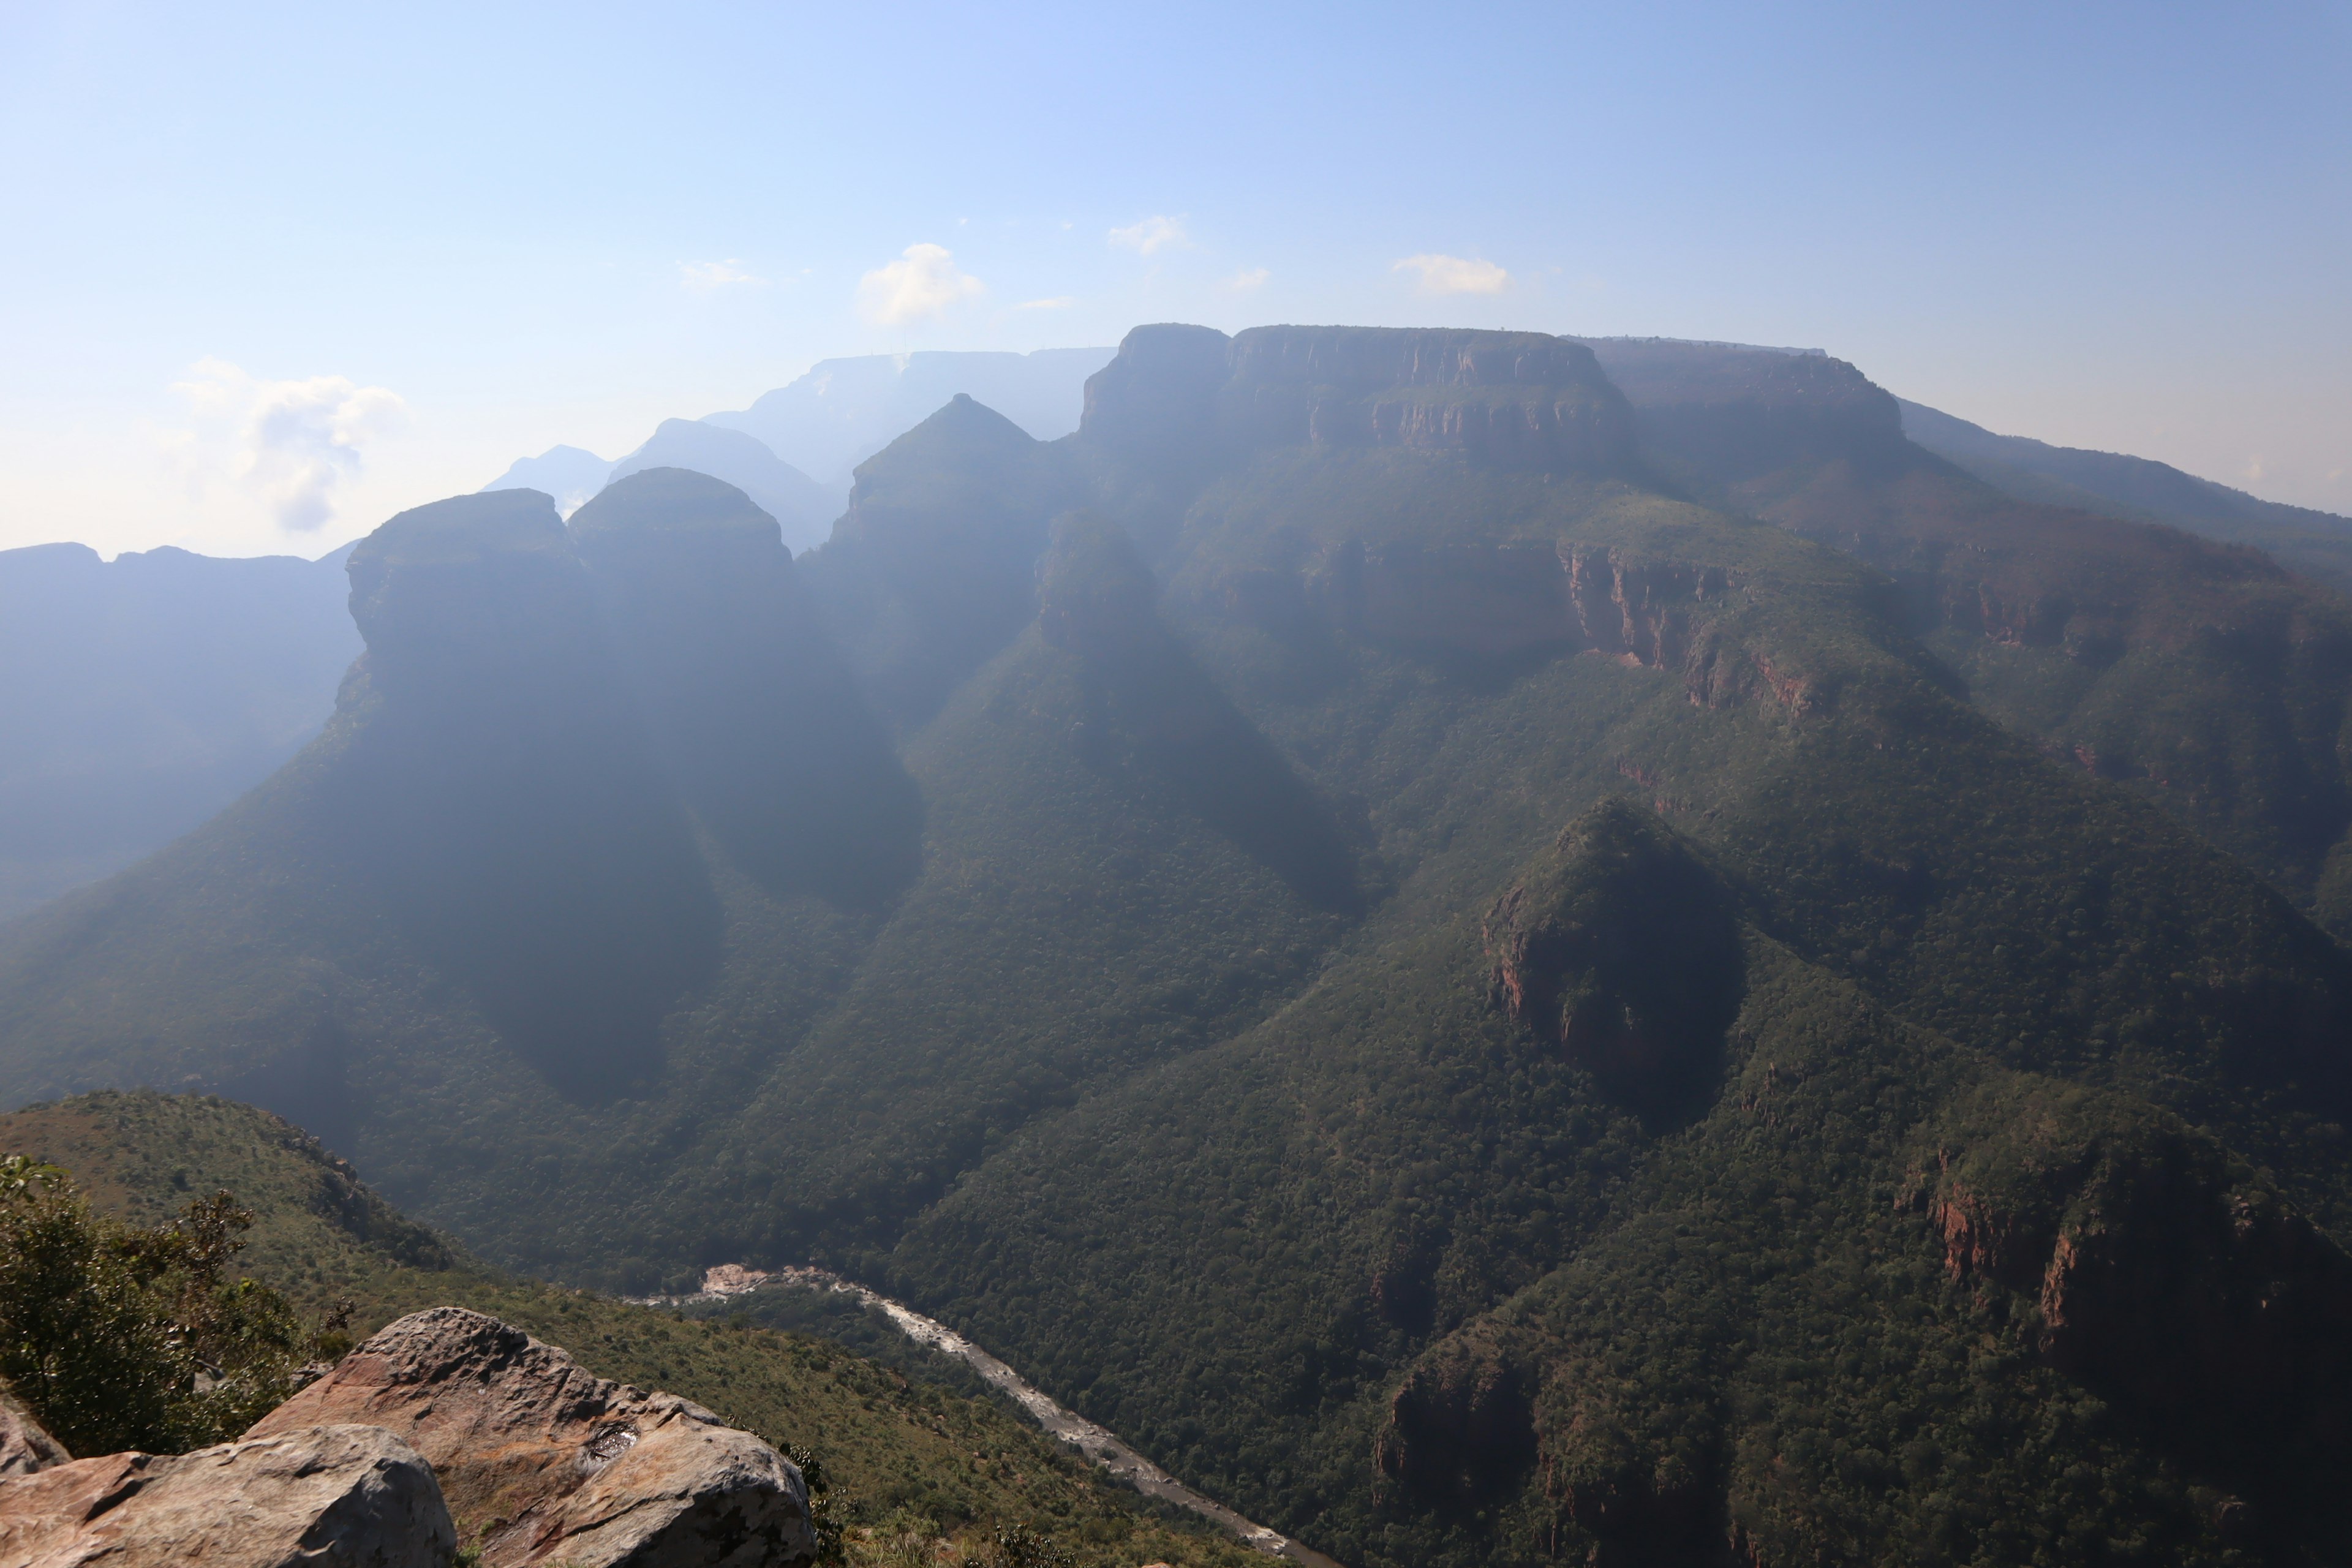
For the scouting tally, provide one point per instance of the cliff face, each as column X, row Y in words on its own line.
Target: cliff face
column 1734, row 415
column 2197, row 671
column 2157, row 1269
column 499, row 788
column 1521, row 400
column 769, row 744
column 1618, row 947
column 1501, row 600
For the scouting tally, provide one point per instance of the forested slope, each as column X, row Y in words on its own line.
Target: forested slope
column 1400, row 920
column 2196, row 672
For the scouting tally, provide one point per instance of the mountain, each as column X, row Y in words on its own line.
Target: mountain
column 1454, row 939
column 143, row 694
column 568, row 474
column 896, row 1456
column 843, row 411
column 805, row 508
column 831, row 420
column 2196, row 673
column 2316, row 543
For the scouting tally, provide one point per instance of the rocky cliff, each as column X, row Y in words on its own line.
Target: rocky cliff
column 753, row 712
column 1176, row 394
column 502, row 793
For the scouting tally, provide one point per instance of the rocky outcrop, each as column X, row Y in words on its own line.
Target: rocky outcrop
column 503, row 796
column 1620, row 947
column 2158, row 1270
column 545, row 1463
column 1178, row 396
column 352, row 1497
column 25, row 1445
column 1729, row 414
column 1633, row 1478
column 755, row 713
column 1461, row 1428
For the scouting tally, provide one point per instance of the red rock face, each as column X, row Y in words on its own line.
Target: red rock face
column 2160, row 1277
column 1461, row 1429
column 1619, row 947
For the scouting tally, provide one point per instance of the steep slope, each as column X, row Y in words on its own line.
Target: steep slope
column 896, row 1456
column 143, row 694
column 480, row 917
column 2316, row 543
column 2197, row 673
column 1278, row 994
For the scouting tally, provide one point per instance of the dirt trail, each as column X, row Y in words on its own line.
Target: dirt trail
column 1097, row 1443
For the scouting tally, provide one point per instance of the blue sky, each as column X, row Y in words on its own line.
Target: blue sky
column 273, row 272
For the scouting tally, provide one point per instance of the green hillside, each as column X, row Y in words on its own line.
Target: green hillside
column 2318, row 544
column 897, row 1455
column 1460, row 917
column 2191, row 670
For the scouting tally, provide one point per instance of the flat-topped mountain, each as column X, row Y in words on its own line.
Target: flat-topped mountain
column 1454, row 934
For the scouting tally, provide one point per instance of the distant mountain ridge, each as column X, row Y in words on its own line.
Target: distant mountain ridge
column 843, row 411
column 140, row 696
column 795, row 449
column 2316, row 543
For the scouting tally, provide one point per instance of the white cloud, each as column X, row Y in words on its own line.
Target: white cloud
column 702, row 277
column 1455, row 275
column 287, row 444
column 923, row 282
column 1247, row 279
column 1058, row 302
column 1152, row 233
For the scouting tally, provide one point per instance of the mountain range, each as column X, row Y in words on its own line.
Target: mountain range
column 145, row 693
column 1491, row 947
column 826, row 423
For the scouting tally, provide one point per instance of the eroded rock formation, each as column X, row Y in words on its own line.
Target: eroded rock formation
column 545, row 1463
column 1619, row 946
column 2158, row 1271
column 353, row 1496
column 1176, row 395
column 1461, row 1428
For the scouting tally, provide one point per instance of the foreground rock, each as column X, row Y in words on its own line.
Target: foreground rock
column 546, row 1463
column 25, row 1446
column 352, row 1497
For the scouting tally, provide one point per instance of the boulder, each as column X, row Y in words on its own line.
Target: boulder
column 24, row 1446
column 350, row 1497
column 543, row 1462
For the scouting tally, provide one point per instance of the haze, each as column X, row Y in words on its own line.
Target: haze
column 278, row 273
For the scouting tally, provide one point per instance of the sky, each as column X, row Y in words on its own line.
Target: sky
column 270, row 273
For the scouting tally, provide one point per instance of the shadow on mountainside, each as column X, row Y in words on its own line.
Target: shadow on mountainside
column 1155, row 708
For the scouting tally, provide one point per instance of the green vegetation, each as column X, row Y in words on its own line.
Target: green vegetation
column 899, row 1455
column 1457, row 1106
column 138, row 1338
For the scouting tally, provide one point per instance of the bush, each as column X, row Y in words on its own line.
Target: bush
column 122, row 1338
